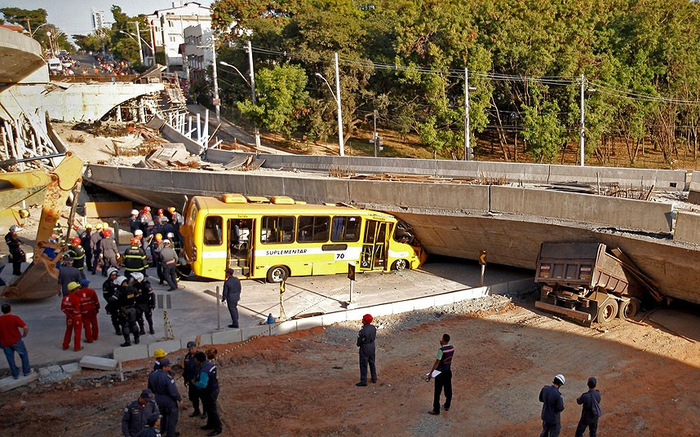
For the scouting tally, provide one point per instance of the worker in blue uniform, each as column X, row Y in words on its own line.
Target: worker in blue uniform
column 168, row 398
column 208, row 385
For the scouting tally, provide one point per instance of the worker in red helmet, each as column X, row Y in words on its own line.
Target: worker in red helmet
column 110, row 251
column 145, row 217
column 365, row 341
column 77, row 252
column 135, row 259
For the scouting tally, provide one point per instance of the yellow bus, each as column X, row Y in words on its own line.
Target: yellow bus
column 278, row 237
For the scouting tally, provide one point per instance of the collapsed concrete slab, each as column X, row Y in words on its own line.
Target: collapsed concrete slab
column 9, row 383
column 98, row 363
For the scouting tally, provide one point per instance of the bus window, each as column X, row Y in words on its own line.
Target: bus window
column 277, row 229
column 346, row 229
column 313, row 229
column 212, row 231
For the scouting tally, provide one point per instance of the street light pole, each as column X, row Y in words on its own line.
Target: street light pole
column 583, row 119
column 138, row 39
column 467, row 136
column 50, row 43
column 217, row 101
column 341, row 142
column 252, row 90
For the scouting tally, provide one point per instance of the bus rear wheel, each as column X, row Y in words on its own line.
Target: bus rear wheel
column 277, row 274
column 400, row 264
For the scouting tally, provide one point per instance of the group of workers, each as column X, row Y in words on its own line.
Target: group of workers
column 161, row 402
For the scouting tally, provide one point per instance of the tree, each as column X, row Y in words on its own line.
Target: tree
column 30, row 19
column 543, row 131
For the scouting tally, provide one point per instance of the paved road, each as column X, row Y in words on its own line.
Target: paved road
column 193, row 309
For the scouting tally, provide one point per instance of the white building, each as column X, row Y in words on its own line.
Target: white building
column 197, row 52
column 98, row 19
column 168, row 29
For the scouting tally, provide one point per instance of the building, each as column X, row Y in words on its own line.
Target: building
column 196, row 51
column 168, row 26
column 98, row 19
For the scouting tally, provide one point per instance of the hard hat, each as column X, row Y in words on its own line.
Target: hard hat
column 88, row 226
column 159, row 236
column 98, row 226
column 120, row 280
column 134, row 212
column 112, row 270
column 171, row 209
column 151, row 223
column 138, row 277
column 138, row 232
column 15, row 228
column 170, row 235
column 105, row 225
column 146, row 209
column 107, row 232
column 75, row 241
column 159, row 353
column 73, row 286
column 23, row 213
column 166, row 241
column 84, row 282
column 561, row 379
column 367, row 318
column 135, row 241
column 160, row 211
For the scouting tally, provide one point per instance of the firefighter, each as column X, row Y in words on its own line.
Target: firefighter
column 89, row 307
column 145, row 217
column 109, row 289
column 85, row 242
column 77, row 252
column 70, row 305
column 145, row 302
column 156, row 246
column 134, row 221
column 125, row 297
column 135, row 259
column 95, row 247
column 16, row 253
column 110, row 251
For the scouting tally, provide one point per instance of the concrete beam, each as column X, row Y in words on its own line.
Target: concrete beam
column 20, row 56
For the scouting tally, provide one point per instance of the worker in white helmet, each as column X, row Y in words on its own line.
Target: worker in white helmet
column 134, row 221
column 552, row 406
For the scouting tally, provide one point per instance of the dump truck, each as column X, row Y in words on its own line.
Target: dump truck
column 583, row 282
column 51, row 189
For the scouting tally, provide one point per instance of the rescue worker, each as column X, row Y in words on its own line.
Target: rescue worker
column 89, row 307
column 77, row 252
column 108, row 291
column 110, row 251
column 190, row 370
column 145, row 217
column 67, row 274
column 365, row 341
column 152, row 428
column 169, row 261
column 156, row 247
column 95, row 247
column 134, row 221
column 552, row 406
column 443, row 379
column 17, row 256
column 145, row 302
column 232, row 295
column 208, row 385
column 85, row 242
column 160, row 216
column 177, row 220
column 70, row 305
column 135, row 259
column 158, row 354
column 167, row 397
column 126, row 299
column 137, row 413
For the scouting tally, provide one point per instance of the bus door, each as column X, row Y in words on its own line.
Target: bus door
column 374, row 246
column 241, row 241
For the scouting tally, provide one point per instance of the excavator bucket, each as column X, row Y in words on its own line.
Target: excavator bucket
column 38, row 281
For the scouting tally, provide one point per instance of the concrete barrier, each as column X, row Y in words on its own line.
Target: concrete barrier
column 623, row 214
column 687, row 228
column 694, row 194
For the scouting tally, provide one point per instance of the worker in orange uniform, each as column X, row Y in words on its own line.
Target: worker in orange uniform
column 89, row 307
column 70, row 305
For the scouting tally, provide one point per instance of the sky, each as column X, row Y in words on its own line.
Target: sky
column 73, row 16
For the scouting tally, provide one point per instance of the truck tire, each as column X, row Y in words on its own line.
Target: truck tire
column 607, row 311
column 629, row 308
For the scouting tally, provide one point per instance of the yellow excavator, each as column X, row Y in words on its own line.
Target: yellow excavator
column 51, row 189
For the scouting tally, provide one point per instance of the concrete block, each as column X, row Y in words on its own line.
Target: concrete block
column 687, row 228
column 167, row 345
column 335, row 317
column 380, row 310
column 54, row 369
column 254, row 331
column 99, row 363
column 309, row 322
column 226, row 336
column 44, row 372
column 402, row 307
column 423, row 303
column 9, row 383
column 204, row 339
column 71, row 369
column 443, row 299
column 135, row 352
column 284, row 328
column 356, row 314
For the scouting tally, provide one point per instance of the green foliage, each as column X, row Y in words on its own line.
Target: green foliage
column 29, row 18
column 543, row 131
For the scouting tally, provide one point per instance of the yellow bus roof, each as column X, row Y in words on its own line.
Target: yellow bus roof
column 215, row 205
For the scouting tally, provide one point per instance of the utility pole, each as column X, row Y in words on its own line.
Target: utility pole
column 138, row 39
column 375, row 137
column 252, row 90
column 341, row 141
column 467, row 137
column 217, row 101
column 583, row 119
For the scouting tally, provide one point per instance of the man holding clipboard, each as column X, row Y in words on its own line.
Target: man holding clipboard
column 443, row 374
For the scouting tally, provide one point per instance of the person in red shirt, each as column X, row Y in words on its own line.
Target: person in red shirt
column 70, row 305
column 11, row 340
column 89, row 306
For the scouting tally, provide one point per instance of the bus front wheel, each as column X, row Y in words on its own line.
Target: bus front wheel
column 277, row 274
column 400, row 264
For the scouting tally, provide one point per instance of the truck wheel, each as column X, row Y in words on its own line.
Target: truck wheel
column 400, row 264
column 629, row 308
column 607, row 311
column 277, row 274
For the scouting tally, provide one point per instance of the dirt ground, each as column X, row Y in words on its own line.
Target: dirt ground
column 303, row 384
